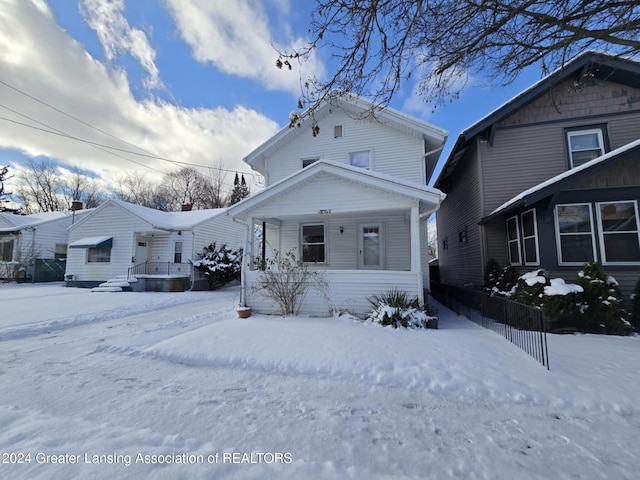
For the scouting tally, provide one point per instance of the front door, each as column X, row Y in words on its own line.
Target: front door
column 143, row 245
column 370, row 246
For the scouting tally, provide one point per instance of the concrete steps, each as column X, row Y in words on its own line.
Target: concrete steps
column 117, row 284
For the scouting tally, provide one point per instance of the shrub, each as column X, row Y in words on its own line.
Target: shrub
column 600, row 306
column 219, row 265
column 499, row 280
column 397, row 309
column 529, row 289
column 286, row 280
column 562, row 305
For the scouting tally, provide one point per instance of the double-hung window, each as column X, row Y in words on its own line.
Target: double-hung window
column 619, row 236
column 313, row 242
column 177, row 252
column 584, row 145
column 513, row 240
column 575, row 239
column 530, row 237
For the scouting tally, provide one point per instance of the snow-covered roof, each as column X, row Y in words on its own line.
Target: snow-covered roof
column 165, row 220
column 566, row 175
column 17, row 222
column 436, row 136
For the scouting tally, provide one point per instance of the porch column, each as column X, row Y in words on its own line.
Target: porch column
column 247, row 252
column 416, row 252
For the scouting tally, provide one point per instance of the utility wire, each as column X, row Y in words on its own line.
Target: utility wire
column 147, row 154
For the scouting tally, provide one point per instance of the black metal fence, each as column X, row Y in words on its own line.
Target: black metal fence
column 161, row 268
column 523, row 325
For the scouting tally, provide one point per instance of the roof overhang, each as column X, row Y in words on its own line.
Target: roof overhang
column 92, row 242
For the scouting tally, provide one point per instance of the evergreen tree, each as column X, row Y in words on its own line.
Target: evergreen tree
column 240, row 190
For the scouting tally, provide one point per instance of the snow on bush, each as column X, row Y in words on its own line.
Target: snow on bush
column 396, row 308
column 592, row 304
column 219, row 265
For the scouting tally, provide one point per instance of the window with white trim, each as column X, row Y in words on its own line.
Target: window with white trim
column 619, row 236
column 513, row 241
column 177, row 252
column 360, row 159
column 530, row 237
column 337, row 131
column 575, row 240
column 313, row 242
column 584, row 145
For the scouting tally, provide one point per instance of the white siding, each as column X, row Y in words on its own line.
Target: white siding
column 113, row 221
column 221, row 230
column 392, row 152
column 348, row 291
column 329, row 193
column 342, row 248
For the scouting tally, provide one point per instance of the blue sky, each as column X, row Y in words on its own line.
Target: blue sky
column 190, row 81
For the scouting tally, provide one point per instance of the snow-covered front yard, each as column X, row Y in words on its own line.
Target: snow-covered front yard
column 173, row 385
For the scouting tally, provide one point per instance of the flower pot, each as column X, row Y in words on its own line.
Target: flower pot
column 244, row 312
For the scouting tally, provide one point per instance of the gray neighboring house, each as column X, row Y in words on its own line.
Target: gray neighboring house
column 549, row 180
column 39, row 236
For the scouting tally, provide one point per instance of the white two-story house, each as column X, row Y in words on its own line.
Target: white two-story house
column 350, row 200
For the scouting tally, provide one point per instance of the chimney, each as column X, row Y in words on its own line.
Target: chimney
column 76, row 205
column 186, row 207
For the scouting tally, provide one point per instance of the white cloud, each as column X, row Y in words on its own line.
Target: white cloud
column 40, row 59
column 107, row 18
column 238, row 38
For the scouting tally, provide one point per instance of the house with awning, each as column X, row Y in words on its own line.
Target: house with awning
column 119, row 239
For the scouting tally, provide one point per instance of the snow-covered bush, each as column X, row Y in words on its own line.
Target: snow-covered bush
column 561, row 305
column 529, row 289
column 396, row 308
column 499, row 280
column 220, row 265
column 600, row 304
column 591, row 305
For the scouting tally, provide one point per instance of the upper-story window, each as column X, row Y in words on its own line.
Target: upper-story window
column 585, row 144
column 360, row 159
column 337, row 131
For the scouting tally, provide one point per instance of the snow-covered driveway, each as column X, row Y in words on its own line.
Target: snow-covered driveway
column 172, row 385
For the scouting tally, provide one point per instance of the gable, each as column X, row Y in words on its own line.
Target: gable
column 327, row 192
column 391, row 151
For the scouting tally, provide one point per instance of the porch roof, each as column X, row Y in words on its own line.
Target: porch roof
column 428, row 197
